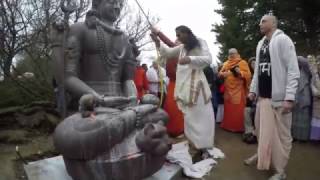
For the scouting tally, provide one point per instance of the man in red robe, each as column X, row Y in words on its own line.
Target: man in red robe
column 141, row 81
column 176, row 125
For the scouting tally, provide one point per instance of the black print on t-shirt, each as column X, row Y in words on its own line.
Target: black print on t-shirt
column 264, row 64
column 265, row 82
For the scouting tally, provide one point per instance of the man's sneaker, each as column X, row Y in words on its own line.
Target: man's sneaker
column 278, row 176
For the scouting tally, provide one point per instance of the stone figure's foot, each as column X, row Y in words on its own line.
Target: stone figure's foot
column 278, row 176
column 252, row 160
column 154, row 139
column 150, row 99
column 143, row 113
column 150, row 114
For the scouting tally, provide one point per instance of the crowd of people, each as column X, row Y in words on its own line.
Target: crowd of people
column 272, row 98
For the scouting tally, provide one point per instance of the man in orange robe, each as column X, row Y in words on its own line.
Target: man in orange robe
column 237, row 77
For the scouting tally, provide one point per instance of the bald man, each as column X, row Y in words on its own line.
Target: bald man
column 274, row 85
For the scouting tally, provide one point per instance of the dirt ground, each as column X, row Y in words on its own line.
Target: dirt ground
column 304, row 162
column 11, row 166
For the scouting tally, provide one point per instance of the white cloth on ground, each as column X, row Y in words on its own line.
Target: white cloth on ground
column 216, row 153
column 179, row 154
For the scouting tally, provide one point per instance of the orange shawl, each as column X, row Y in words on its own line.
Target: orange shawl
column 236, row 86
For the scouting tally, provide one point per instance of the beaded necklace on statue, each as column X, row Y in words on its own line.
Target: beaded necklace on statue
column 108, row 57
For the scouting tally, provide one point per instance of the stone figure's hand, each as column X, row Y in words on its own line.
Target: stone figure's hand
column 114, row 101
column 185, row 60
column 133, row 100
column 287, row 106
column 155, row 39
column 252, row 96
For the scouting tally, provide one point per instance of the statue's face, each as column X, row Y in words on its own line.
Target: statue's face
column 110, row 9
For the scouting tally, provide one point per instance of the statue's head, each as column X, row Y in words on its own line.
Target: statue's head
column 108, row 9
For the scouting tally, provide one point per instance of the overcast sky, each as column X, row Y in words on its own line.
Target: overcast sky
column 199, row 15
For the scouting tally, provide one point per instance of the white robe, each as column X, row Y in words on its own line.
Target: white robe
column 193, row 94
column 153, row 76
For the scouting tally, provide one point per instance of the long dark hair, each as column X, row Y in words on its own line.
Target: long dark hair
column 192, row 41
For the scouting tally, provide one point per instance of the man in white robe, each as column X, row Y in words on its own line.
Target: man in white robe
column 155, row 75
column 192, row 91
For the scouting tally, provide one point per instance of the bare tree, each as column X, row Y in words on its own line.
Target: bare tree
column 25, row 30
column 13, row 32
column 136, row 24
column 26, row 23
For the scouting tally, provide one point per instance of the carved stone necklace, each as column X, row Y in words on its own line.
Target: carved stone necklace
column 106, row 49
column 108, row 57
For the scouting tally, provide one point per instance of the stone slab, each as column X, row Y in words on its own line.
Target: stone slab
column 52, row 167
column 55, row 169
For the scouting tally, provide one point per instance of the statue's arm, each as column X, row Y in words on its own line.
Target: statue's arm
column 128, row 86
column 72, row 57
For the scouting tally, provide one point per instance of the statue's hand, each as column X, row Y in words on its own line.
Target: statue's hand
column 114, row 101
column 133, row 101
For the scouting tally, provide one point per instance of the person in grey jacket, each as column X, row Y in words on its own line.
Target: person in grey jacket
column 274, row 85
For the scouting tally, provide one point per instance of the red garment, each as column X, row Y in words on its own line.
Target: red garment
column 221, row 89
column 175, row 125
column 171, row 66
column 141, row 81
column 233, row 118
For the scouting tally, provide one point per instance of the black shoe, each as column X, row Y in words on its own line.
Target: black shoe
column 249, row 138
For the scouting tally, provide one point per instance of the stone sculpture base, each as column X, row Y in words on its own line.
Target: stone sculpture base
column 55, row 169
column 123, row 162
column 133, row 168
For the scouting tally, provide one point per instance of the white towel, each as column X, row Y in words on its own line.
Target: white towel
column 216, row 153
column 179, row 154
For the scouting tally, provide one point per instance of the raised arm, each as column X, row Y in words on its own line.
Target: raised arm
column 162, row 37
column 165, row 39
column 165, row 51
